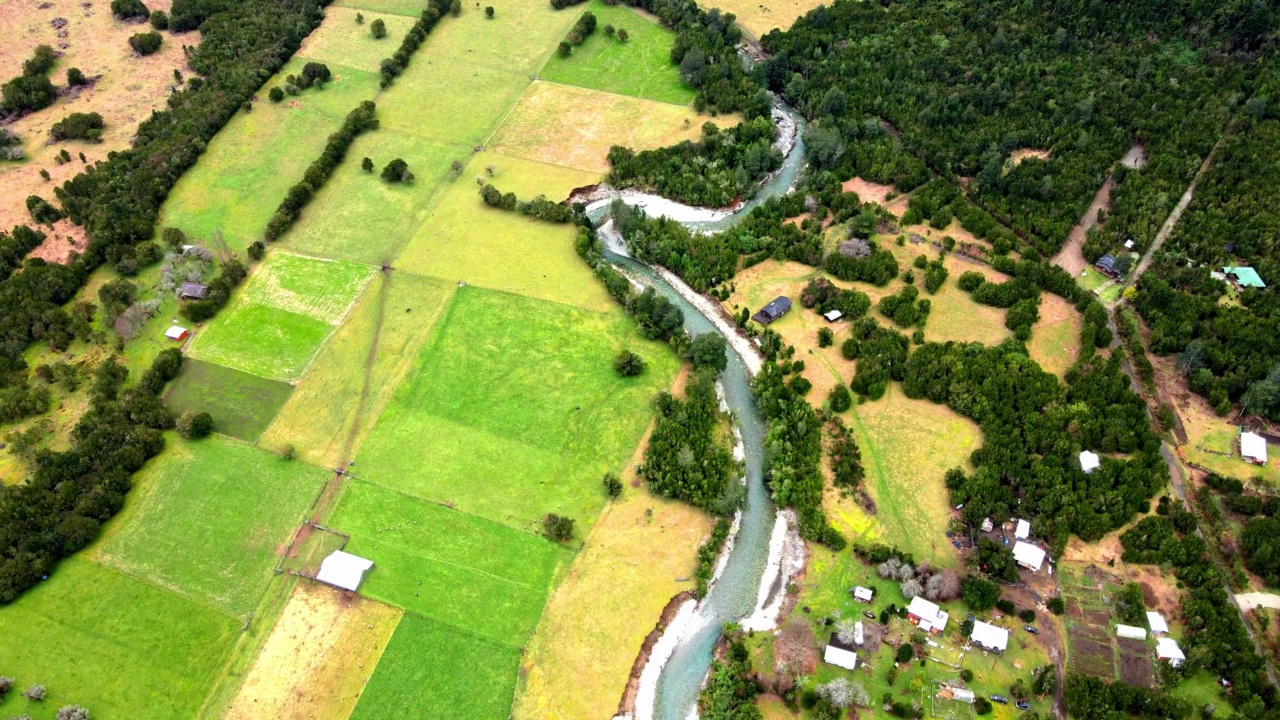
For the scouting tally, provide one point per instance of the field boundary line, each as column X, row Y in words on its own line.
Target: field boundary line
column 455, row 628
column 685, row 106
column 132, row 575
column 507, row 114
column 460, row 566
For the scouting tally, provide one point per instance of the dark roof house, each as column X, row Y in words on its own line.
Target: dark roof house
column 192, row 291
column 774, row 310
column 1107, row 266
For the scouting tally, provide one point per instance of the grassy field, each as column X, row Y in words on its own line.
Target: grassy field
column 640, row 67
column 1055, row 338
column 207, row 520
column 576, row 127
column 431, row 671
column 409, row 8
column 516, row 408
column 321, row 289
column 122, row 648
column 479, row 576
column 758, row 17
column 341, row 41
column 242, row 405
column 330, row 407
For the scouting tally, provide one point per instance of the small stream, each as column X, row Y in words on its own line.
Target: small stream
column 737, row 589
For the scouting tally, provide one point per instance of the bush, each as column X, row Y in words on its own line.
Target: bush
column 906, row 651
column 708, row 350
column 558, row 528
column 378, row 28
column 1056, row 605
column 1027, row 615
column 970, row 280
column 129, row 10
column 275, row 94
column 825, row 337
column 193, row 426
column 6, row 684
column 76, row 78
column 628, row 364
column 980, row 595
column 982, row 706
column 256, row 250
column 72, row 712
column 564, row 49
column 159, row 20
column 1006, row 606
column 966, row 675
column 79, row 126
column 41, row 211
column 34, row 693
column 840, row 398
column 397, row 171
column 145, row 43
column 488, row 11
column 612, row 485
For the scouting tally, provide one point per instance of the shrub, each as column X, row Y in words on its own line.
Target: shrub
column 129, row 10
column 1027, row 615
column 612, row 485
column 622, row 35
column 159, row 20
column 34, row 693
column 79, row 126
column 275, row 94
column 564, row 49
column 488, row 11
column 397, row 171
column 145, row 43
column 825, row 337
column 557, row 527
column 1057, row 605
column 906, row 651
column 193, row 426
column 366, row 165
column 980, row 595
column 378, row 28
column 982, row 706
column 41, row 211
column 76, row 78
column 840, row 398
column 628, row 364
column 72, row 712
column 256, row 250
column 6, row 684
column 1005, row 606
column 708, row 351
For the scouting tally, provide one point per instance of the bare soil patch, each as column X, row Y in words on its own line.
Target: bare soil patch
column 869, row 192
column 1021, row 154
column 1069, row 258
column 1135, row 663
column 1092, row 657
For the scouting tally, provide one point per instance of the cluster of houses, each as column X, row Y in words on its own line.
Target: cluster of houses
column 1026, row 554
column 1167, row 648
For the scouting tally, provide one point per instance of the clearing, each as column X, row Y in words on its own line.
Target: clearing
column 758, row 17
column 206, row 520
column 320, row 654
column 241, row 404
column 1055, row 338
column 343, row 43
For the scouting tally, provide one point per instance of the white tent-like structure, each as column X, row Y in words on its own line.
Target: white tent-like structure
column 857, row 633
column 1022, row 531
column 1131, row 632
column 1167, row 649
column 1028, row 556
column 344, row 570
column 1156, row 622
column 1089, row 461
column 862, row 594
column 989, row 637
column 1253, row 448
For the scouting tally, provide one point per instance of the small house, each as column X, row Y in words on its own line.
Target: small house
column 1022, row 531
column 989, row 637
column 839, row 654
column 344, row 570
column 1167, row 649
column 774, row 310
column 1107, row 266
column 1243, row 277
column 1089, row 461
column 926, row 615
column 987, row 525
column 1028, row 556
column 1157, row 624
column 1253, row 448
column 176, row 332
column 1131, row 632
column 833, row 315
column 192, row 291
column 862, row 594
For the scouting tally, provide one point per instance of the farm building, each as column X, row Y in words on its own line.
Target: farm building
column 989, row 637
column 344, row 570
column 833, row 316
column 1130, row 632
column 1253, row 448
column 839, row 654
column 176, row 333
column 857, row 633
column 774, row 310
column 1167, row 649
column 987, row 525
column 963, row 695
column 192, row 291
column 926, row 615
column 862, row 594
column 1022, row 531
column 1157, row 624
column 1107, row 266
column 1028, row 556
column 1243, row 277
column 1089, row 461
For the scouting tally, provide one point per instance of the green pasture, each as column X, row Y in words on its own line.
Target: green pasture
column 513, row 410
column 518, row 40
column 450, row 100
column 120, row 647
column 407, row 8
column 341, row 41
column 241, row 404
column 315, row 287
column 359, row 216
column 431, row 671
column 208, row 518
column 470, row 573
column 640, row 67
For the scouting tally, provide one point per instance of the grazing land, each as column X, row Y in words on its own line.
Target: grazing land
column 343, row 43
column 99, row 638
column 207, row 519
column 758, row 18
column 431, row 671
column 242, row 405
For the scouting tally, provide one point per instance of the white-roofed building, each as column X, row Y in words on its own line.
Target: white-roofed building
column 987, row 525
column 989, row 637
column 1253, row 448
column 963, row 695
column 1167, row 649
column 1089, row 461
column 1157, row 624
column 839, row 654
column 1028, row 556
column 833, row 315
column 1022, row 531
column 1131, row 632
column 344, row 570
column 927, row 616
column 176, row 332
column 862, row 594
column 857, row 633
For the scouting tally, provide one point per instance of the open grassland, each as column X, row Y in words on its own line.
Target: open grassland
column 241, row 404
column 342, row 394
column 340, row 40
column 1055, row 338
column 207, row 520
column 320, row 289
column 907, row 446
column 466, row 240
column 127, row 90
column 576, row 127
column 580, row 657
column 640, row 67
column 758, row 17
column 515, row 407
column 479, row 576
column 431, row 671
column 408, row 8
column 120, row 647
column 320, row 654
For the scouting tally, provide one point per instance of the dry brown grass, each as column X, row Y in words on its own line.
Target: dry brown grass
column 127, row 89
column 321, row 652
column 758, row 17
column 1055, row 338
column 1017, row 156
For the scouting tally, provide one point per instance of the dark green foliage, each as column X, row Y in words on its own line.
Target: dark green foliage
column 275, row 94
column 1027, row 615
column 904, row 309
column 657, row 316
column 982, row 706
column 970, row 280
column 397, row 171
column 846, row 459
column 905, row 653
column 731, row 689
column 612, row 485
column 840, row 398
column 825, row 337
column 40, row 62
column 1128, row 605
column 980, row 595
column 129, row 10
column 582, row 29
column 14, row 247
column 76, row 78
column 159, row 20
column 562, row 4
column 935, row 274
column 539, row 207
column 314, row 73
column 996, row 560
column 628, row 364
column 378, row 28
column 823, row 296
column 877, row 268
column 218, row 294
column 881, row 354
column 558, row 527
column 684, row 459
column 488, row 11
column 708, row 553
column 145, row 43
column 193, row 425
column 79, row 126
column 256, row 250
column 41, row 211
column 394, row 65
column 1056, row 605
column 31, row 90
column 1260, row 546
column 708, row 351
column 564, row 49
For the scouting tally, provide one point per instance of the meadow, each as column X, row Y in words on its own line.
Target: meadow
column 758, row 17
column 242, row 405
column 640, row 67
column 342, row 42
column 99, row 638
column 515, row 407
column 431, row 671
column 472, row 574
column 207, row 519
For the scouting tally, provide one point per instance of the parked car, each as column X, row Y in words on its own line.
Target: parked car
column 1031, row 629
column 1023, row 705
column 869, row 614
column 1000, row 699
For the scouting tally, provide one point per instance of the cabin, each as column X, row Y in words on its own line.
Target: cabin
column 192, row 291
column 1028, row 556
column 1022, row 531
column 1107, row 266
column 1243, row 277
column 1167, row 649
column 857, row 633
column 176, row 333
column 839, row 654
column 833, row 316
column 1130, row 632
column 862, row 594
column 989, row 637
column 1253, row 448
column 344, row 570
column 1157, row 624
column 926, row 615
column 774, row 310
column 1089, row 461
column 987, row 525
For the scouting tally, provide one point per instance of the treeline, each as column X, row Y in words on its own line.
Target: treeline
column 881, row 354
column 730, row 693
column 14, row 246
column 391, row 67
column 939, row 201
column 62, row 505
column 685, row 459
column 708, row 554
column 657, row 317
column 31, row 90
column 539, row 207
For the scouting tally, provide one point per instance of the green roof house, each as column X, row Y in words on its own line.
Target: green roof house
column 1243, row 277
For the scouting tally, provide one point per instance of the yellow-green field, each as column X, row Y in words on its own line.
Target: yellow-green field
column 758, row 17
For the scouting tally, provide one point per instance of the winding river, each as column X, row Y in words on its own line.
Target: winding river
column 679, row 662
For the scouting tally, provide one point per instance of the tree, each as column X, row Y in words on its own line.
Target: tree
column 129, row 10
column 160, row 20
column 792, row 648
column 610, row 30
column 359, row 18
column 628, row 364
column 612, row 485
column 455, row 8
column 943, row 586
column 840, row 398
column 6, row 684
column 256, row 250
column 397, row 171
column 557, row 527
column 982, row 706
column 72, row 712
column 275, row 94
column 455, row 168
column 825, row 337
column 708, row 350
column 911, row 587
column 193, row 425
column 980, row 595
column 622, row 35
column 906, row 651
column 488, row 11
column 1056, row 605
column 145, row 43
column 378, row 28
column 843, row 693
column 76, row 78
column 564, row 49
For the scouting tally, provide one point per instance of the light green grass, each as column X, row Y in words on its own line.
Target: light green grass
column 518, row 40
column 514, row 410
column 348, row 88
column 434, row 672
column 408, row 8
column 242, row 405
column 640, row 67
column 120, row 647
column 208, row 518
column 458, row 569
column 320, row 289
column 358, row 216
column 341, row 41
column 1203, row 689
column 449, row 99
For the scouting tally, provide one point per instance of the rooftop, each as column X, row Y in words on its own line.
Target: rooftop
column 1245, row 276
column 989, row 636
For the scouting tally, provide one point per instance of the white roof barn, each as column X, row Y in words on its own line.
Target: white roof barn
column 1157, row 624
column 343, row 570
column 863, row 594
column 1167, row 649
column 928, row 616
column 1023, row 531
column 1253, row 448
column 175, row 332
column 1131, row 632
column 1028, row 556
column 839, row 654
column 1089, row 461
column 857, row 633
column 989, row 637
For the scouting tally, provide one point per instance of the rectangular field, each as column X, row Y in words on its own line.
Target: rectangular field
column 479, row 576
column 120, row 647
column 320, row 289
column 341, row 41
column 242, row 405
column 513, row 410
column 208, row 519
column 431, row 671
